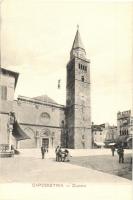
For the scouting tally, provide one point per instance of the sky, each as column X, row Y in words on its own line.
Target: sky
column 36, row 39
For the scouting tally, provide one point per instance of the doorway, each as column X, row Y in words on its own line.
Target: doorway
column 45, row 142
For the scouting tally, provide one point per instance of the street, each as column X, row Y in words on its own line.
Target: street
column 85, row 168
column 27, row 176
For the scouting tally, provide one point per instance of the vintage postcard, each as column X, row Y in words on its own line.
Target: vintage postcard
column 66, row 88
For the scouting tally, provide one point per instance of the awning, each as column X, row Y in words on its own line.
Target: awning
column 99, row 143
column 130, row 138
column 18, row 133
column 111, row 144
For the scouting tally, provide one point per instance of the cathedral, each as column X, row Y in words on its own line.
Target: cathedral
column 40, row 120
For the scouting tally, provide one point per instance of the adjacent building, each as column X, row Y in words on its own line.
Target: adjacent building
column 125, row 127
column 103, row 134
column 8, row 81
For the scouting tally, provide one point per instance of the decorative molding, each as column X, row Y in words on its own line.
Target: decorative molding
column 37, row 102
column 25, row 124
column 4, row 113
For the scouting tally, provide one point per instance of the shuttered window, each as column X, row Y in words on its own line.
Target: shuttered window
column 3, row 92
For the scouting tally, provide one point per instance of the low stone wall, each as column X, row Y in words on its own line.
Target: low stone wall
column 6, row 154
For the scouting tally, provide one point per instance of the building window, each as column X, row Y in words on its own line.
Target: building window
column 3, row 92
column 82, row 78
column 45, row 117
column 123, row 132
column 62, row 123
column 86, row 68
column 82, row 67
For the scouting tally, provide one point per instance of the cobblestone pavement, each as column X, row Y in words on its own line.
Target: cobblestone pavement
column 106, row 163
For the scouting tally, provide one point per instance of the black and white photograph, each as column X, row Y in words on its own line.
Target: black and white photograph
column 66, row 100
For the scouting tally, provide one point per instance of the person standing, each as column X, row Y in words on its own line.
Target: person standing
column 57, row 153
column 43, row 150
column 120, row 152
column 113, row 150
column 67, row 155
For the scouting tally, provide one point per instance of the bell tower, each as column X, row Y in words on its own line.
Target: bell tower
column 78, row 111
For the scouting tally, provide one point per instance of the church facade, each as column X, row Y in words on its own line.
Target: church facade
column 41, row 119
column 48, row 123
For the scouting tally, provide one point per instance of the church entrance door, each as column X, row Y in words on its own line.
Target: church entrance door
column 45, row 142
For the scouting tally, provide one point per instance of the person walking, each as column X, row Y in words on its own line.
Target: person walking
column 113, row 150
column 43, row 150
column 120, row 152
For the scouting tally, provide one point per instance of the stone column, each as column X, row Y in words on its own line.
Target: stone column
column 10, row 127
column 9, row 135
column 37, row 139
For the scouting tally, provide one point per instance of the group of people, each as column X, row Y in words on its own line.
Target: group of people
column 120, row 152
column 62, row 155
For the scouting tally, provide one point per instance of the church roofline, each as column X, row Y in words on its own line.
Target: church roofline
column 34, row 101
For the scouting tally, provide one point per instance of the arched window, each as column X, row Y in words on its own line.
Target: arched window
column 45, row 115
column 125, row 132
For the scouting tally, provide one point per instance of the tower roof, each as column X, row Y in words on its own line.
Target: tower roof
column 78, row 49
column 77, row 43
